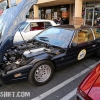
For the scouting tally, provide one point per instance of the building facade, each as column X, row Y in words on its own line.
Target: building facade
column 71, row 11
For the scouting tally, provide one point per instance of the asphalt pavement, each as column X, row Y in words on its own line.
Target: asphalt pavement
column 62, row 86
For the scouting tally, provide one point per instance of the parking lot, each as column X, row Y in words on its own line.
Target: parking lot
column 61, row 87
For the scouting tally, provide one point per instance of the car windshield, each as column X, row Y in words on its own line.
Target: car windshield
column 23, row 26
column 56, row 36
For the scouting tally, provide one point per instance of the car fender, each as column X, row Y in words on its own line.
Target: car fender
column 41, row 58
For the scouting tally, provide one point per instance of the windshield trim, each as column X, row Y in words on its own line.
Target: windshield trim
column 36, row 37
column 48, row 43
column 74, row 32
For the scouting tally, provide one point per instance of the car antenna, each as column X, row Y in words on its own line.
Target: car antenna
column 24, row 41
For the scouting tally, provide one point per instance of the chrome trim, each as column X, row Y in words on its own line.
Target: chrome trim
column 75, row 32
column 80, row 96
column 93, row 33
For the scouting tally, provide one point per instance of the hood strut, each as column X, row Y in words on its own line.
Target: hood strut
column 25, row 42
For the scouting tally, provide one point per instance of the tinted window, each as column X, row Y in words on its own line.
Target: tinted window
column 56, row 36
column 83, row 35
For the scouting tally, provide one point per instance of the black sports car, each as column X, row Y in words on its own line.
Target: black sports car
column 50, row 50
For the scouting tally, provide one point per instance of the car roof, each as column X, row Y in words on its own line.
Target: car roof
column 38, row 20
column 71, row 27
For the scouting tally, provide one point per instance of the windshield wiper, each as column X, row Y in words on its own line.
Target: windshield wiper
column 44, row 38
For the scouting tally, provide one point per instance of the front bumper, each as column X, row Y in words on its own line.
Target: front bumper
column 23, row 71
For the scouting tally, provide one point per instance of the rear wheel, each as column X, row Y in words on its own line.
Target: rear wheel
column 41, row 73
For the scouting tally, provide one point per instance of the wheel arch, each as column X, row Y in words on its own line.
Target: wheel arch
column 33, row 80
column 39, row 60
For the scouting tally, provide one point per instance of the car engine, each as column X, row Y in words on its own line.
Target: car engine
column 22, row 54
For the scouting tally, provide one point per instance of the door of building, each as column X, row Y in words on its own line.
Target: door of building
column 89, row 16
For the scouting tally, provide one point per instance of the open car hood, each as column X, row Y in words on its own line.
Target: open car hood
column 10, row 21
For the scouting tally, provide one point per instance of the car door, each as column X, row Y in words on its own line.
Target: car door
column 82, row 45
column 33, row 29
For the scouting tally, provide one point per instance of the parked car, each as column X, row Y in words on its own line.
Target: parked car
column 89, row 88
column 31, row 28
column 48, row 51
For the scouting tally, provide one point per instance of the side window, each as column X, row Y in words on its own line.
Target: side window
column 96, row 32
column 82, row 36
column 37, row 26
column 47, row 24
column 41, row 25
column 27, row 29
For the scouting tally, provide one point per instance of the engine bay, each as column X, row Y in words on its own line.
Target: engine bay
column 22, row 54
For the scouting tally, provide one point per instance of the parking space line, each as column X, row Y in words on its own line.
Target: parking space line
column 69, row 95
column 47, row 93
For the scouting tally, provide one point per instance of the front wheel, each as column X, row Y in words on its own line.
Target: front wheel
column 41, row 73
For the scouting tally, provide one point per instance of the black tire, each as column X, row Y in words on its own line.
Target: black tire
column 98, row 53
column 40, row 71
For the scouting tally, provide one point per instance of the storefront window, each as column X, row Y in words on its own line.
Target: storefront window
column 39, row 14
column 42, row 14
column 48, row 14
column 59, row 12
column 97, row 12
column 64, row 13
column 56, row 12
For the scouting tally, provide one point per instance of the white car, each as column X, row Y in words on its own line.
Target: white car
column 31, row 28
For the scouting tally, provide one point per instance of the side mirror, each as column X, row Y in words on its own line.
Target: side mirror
column 74, row 44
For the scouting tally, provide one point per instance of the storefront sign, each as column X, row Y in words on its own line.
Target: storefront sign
column 64, row 14
column 78, row 21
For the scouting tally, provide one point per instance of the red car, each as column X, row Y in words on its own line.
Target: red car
column 89, row 89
